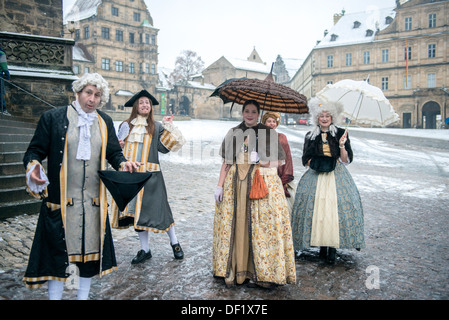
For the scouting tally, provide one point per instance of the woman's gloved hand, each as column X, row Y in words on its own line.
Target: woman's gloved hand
column 254, row 157
column 218, row 194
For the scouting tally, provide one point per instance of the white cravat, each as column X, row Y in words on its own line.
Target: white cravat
column 85, row 121
column 139, row 130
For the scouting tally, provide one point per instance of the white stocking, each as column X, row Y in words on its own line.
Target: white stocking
column 171, row 233
column 55, row 289
column 84, row 288
column 143, row 237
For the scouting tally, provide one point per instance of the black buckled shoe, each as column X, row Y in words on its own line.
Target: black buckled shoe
column 141, row 256
column 177, row 251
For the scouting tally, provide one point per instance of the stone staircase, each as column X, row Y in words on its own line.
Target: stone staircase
column 15, row 135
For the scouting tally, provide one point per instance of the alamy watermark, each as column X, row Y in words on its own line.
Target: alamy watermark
column 373, row 277
column 73, row 280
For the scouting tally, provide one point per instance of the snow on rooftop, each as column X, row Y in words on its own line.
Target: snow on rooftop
column 37, row 37
column 82, row 9
column 79, row 55
column 353, row 28
column 40, row 73
column 122, row 92
column 199, row 85
column 164, row 74
column 249, row 65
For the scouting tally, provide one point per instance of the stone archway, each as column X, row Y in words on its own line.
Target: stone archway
column 184, row 106
column 430, row 110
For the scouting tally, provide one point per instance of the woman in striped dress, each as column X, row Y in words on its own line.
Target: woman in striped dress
column 149, row 210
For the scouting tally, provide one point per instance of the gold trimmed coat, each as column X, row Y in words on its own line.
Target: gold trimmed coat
column 48, row 257
column 149, row 210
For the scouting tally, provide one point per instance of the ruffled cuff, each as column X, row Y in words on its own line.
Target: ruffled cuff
column 122, row 166
column 38, row 191
column 172, row 137
column 345, row 163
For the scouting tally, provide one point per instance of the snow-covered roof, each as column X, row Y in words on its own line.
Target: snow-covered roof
column 124, row 93
column 41, row 73
column 199, row 85
column 164, row 82
column 82, row 9
column 353, row 28
column 249, row 65
column 164, row 73
column 79, row 54
column 37, row 37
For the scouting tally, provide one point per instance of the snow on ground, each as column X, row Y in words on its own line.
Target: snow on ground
column 422, row 133
column 204, row 137
column 397, row 185
column 378, row 165
column 214, row 129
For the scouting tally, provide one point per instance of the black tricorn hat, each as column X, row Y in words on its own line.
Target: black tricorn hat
column 123, row 185
column 143, row 93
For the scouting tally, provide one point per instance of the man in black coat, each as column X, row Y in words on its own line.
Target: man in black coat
column 73, row 229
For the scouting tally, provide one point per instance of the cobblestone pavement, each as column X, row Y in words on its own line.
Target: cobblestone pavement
column 407, row 250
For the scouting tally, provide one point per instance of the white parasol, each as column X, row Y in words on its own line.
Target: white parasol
column 363, row 103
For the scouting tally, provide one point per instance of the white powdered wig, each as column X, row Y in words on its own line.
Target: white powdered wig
column 318, row 106
column 96, row 80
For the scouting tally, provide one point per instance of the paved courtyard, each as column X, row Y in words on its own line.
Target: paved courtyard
column 406, row 255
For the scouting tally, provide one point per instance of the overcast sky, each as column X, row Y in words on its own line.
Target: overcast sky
column 231, row 28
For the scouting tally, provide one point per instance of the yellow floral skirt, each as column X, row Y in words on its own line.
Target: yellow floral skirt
column 252, row 238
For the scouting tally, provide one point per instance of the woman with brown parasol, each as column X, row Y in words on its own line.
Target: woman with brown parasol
column 252, row 236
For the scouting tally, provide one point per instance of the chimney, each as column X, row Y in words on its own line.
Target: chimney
column 337, row 16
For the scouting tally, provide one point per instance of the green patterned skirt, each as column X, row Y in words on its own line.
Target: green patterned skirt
column 350, row 211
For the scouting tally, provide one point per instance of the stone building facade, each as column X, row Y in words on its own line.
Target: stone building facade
column 39, row 59
column 226, row 68
column 193, row 98
column 402, row 50
column 117, row 39
column 38, row 17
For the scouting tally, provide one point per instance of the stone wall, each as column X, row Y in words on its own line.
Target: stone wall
column 39, row 17
column 41, row 73
column 195, row 102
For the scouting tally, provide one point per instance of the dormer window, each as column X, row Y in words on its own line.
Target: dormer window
column 369, row 33
column 356, row 24
column 334, row 37
column 388, row 20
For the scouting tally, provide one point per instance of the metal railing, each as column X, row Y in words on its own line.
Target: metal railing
column 18, row 87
